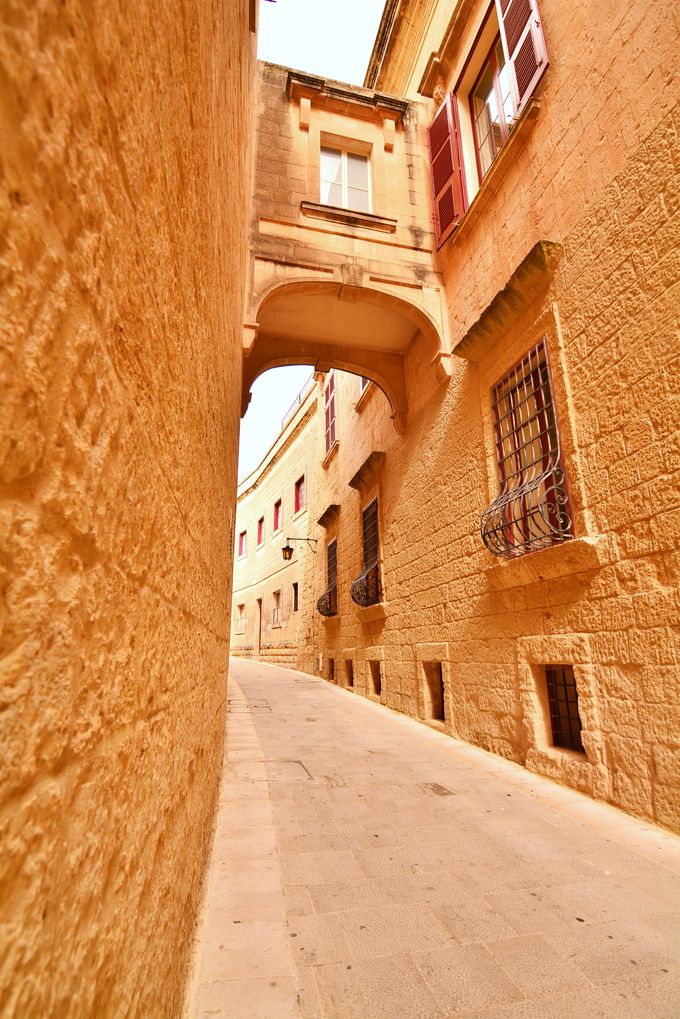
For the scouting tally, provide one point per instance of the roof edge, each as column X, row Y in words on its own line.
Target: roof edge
column 381, row 43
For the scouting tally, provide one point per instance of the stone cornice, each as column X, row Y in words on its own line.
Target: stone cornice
column 335, row 94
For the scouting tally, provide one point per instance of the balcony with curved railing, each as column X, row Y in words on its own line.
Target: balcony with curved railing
column 327, row 604
column 365, row 590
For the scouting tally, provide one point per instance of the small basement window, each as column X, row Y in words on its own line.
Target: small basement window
column 349, row 672
column 375, row 677
column 296, row 596
column 434, row 701
column 331, row 670
column 565, row 720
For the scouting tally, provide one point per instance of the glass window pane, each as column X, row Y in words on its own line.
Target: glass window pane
column 357, row 171
column 331, row 165
column 358, row 200
column 331, row 194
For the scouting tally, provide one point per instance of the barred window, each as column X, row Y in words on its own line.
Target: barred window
column 531, row 510
column 370, row 533
column 328, row 602
column 366, row 589
column 565, row 720
column 332, row 564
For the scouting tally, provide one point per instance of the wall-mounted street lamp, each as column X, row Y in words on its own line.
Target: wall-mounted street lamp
column 287, row 550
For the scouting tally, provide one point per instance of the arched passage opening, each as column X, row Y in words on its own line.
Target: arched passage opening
column 345, row 324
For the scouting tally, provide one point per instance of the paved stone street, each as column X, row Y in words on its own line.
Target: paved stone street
column 367, row 866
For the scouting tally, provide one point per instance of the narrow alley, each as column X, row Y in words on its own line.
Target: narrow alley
column 365, row 865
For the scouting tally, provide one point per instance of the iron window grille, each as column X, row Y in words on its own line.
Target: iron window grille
column 565, row 720
column 365, row 589
column 328, row 602
column 531, row 510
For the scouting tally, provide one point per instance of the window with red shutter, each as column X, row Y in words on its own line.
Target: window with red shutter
column 243, row 543
column 277, row 515
column 329, row 407
column 300, row 494
column 448, row 180
column 260, row 531
column 524, row 44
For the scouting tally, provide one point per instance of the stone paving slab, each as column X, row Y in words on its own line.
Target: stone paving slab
column 368, row 866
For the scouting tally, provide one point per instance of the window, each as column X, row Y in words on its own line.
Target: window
column 278, row 515
column 295, row 597
column 531, row 511
column 349, row 672
column 434, row 699
column 276, row 611
column 497, row 81
column 491, row 108
column 366, row 589
column 300, row 494
column 369, row 528
column 329, row 407
column 243, row 543
column 328, row 602
column 240, row 618
column 260, row 531
column 565, row 721
column 375, row 678
column 332, row 564
column 345, row 180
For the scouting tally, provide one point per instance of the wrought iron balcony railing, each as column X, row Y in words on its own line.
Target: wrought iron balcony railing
column 328, row 602
column 365, row 589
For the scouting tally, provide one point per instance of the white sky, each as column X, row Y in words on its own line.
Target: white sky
column 333, row 38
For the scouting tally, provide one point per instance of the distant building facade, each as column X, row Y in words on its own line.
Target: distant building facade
column 487, row 232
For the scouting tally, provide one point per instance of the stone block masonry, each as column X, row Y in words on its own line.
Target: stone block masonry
column 122, row 255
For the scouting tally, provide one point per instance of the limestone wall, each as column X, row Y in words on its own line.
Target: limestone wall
column 596, row 175
column 123, row 199
column 262, row 571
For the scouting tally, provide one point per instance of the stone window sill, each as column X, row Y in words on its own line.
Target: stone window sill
column 349, row 217
column 494, row 178
column 435, row 724
column 330, row 454
column 571, row 557
column 364, row 397
column 369, row 613
column 300, row 513
column 275, row 626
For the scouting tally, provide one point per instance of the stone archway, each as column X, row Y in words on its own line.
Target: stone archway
column 345, row 319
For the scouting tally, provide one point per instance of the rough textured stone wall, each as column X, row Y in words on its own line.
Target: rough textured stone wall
column 122, row 252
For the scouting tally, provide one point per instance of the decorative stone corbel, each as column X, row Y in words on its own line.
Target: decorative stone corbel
column 389, row 133
column 305, row 113
column 249, row 336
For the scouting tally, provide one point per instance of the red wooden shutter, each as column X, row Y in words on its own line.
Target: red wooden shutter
column 448, row 179
column 524, row 45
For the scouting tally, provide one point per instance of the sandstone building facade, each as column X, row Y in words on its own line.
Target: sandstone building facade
column 487, row 231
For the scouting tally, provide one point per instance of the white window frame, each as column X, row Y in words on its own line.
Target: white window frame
column 344, row 183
